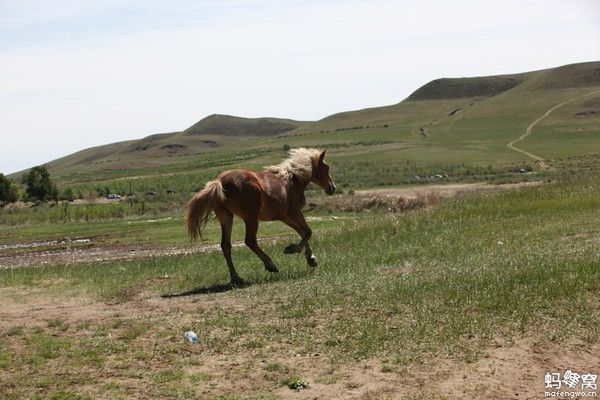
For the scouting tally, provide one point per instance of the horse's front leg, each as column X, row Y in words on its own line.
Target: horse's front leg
column 293, row 248
column 298, row 223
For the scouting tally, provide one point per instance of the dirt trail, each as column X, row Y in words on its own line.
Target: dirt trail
column 540, row 160
column 445, row 191
column 102, row 252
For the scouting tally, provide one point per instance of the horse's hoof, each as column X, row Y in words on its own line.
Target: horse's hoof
column 311, row 261
column 238, row 282
column 291, row 248
column 271, row 268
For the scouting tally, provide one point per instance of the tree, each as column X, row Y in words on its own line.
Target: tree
column 67, row 194
column 6, row 190
column 39, row 185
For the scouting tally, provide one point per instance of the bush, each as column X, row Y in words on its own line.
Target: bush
column 9, row 192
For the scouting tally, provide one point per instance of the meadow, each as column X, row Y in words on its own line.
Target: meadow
column 413, row 301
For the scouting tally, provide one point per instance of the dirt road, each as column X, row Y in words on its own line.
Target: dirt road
column 540, row 160
column 444, row 191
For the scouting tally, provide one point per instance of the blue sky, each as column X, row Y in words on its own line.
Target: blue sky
column 81, row 73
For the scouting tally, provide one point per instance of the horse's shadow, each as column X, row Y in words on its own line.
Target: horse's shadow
column 216, row 288
column 226, row 287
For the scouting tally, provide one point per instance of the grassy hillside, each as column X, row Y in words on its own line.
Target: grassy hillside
column 236, row 126
column 215, row 131
column 457, row 128
column 466, row 87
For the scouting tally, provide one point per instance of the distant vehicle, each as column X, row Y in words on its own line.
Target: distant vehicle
column 113, row 196
column 151, row 194
column 171, row 191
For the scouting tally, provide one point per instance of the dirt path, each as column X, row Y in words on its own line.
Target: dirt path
column 540, row 160
column 101, row 252
column 445, row 191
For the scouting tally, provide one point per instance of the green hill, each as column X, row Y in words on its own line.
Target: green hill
column 454, row 127
column 228, row 125
column 212, row 132
column 466, row 87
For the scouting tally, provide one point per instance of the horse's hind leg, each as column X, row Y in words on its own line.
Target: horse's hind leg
column 226, row 220
column 251, row 242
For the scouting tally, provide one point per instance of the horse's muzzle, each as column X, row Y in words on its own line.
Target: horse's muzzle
column 330, row 189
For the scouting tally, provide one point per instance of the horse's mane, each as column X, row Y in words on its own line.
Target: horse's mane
column 300, row 164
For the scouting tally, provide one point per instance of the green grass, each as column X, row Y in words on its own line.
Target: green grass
column 399, row 287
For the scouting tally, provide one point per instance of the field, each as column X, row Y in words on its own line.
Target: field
column 468, row 297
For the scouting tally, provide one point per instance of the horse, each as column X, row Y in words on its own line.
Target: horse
column 275, row 193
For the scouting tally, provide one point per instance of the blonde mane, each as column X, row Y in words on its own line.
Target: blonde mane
column 300, row 164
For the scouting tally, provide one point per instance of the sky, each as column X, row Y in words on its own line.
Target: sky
column 81, row 73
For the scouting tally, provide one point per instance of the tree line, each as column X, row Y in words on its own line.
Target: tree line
column 38, row 187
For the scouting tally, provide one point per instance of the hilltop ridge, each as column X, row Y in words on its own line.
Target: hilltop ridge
column 228, row 125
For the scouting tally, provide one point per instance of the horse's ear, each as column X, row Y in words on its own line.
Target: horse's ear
column 322, row 156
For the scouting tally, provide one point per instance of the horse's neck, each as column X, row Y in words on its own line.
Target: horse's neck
column 296, row 185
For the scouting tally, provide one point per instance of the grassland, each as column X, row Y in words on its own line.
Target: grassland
column 412, row 301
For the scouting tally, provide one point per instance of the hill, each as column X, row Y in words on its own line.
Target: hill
column 458, row 128
column 441, row 97
column 228, row 125
column 212, row 132
column 466, row 87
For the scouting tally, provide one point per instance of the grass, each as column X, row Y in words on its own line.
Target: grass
column 404, row 288
column 294, row 383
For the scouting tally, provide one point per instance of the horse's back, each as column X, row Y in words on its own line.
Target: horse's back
column 249, row 193
column 240, row 183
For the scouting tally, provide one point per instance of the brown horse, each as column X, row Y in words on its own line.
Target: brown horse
column 276, row 193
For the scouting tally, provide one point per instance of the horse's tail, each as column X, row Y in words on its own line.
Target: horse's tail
column 198, row 208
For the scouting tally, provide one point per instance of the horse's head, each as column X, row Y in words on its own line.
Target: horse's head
column 321, row 175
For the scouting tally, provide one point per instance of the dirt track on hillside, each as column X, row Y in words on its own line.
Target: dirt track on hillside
column 528, row 131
